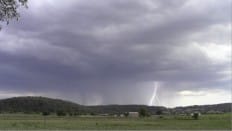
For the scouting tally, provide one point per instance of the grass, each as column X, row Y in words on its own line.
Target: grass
column 30, row 122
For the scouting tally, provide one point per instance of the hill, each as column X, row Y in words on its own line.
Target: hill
column 36, row 105
column 43, row 104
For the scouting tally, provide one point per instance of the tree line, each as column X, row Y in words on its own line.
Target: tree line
column 47, row 106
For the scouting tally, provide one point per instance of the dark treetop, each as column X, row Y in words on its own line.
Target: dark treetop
column 9, row 9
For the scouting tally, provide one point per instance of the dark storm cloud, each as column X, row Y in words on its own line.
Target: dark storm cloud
column 100, row 50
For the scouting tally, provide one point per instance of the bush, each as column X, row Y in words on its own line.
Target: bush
column 60, row 113
column 195, row 116
column 92, row 114
column 70, row 114
column 126, row 114
column 46, row 113
column 143, row 113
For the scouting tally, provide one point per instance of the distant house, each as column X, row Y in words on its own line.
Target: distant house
column 121, row 115
column 133, row 114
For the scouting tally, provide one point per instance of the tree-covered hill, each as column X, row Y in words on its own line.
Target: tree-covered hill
column 43, row 104
column 36, row 105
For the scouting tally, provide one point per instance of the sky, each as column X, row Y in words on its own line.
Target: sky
column 113, row 51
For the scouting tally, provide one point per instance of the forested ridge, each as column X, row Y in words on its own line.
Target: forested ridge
column 42, row 104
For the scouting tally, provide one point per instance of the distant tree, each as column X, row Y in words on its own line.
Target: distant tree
column 45, row 113
column 92, row 114
column 60, row 113
column 9, row 9
column 70, row 113
column 126, row 114
column 195, row 115
column 143, row 112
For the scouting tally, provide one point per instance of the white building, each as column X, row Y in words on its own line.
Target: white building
column 133, row 114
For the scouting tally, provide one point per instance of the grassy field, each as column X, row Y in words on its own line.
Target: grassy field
column 26, row 122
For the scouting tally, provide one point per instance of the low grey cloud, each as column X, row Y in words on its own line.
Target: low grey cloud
column 111, row 52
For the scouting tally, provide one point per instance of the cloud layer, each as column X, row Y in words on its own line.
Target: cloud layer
column 111, row 52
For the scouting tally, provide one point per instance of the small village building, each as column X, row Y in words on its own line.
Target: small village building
column 133, row 114
column 122, row 115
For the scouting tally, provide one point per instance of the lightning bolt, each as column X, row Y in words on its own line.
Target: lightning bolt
column 154, row 94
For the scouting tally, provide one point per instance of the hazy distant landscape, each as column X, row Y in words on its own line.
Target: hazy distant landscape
column 47, row 113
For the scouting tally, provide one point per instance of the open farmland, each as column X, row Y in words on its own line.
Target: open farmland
column 26, row 122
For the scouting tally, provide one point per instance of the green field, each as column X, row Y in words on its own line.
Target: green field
column 27, row 122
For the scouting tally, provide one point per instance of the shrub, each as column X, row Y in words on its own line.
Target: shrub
column 45, row 113
column 126, row 114
column 143, row 113
column 195, row 116
column 60, row 113
column 92, row 114
column 70, row 114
